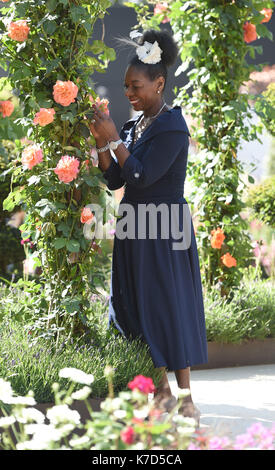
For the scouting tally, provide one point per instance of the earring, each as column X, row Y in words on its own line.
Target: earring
column 158, row 91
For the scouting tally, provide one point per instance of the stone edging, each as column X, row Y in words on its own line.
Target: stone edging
column 247, row 353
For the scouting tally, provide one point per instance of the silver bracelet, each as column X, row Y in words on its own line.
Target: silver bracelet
column 103, row 149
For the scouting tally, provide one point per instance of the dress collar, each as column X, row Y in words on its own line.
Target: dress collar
column 171, row 120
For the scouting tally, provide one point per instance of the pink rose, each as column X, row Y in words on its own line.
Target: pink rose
column 31, row 156
column 162, row 8
column 101, row 104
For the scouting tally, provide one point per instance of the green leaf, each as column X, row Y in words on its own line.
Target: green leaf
column 84, row 130
column 52, row 65
column 51, row 5
column 13, row 199
column 90, row 181
column 78, row 13
column 229, row 116
column 35, row 179
column 109, row 53
column 59, row 243
column 97, row 46
column 72, row 245
column 45, row 211
column 50, row 26
column 67, row 117
column 226, row 220
column 251, row 179
column 43, row 202
column 64, row 228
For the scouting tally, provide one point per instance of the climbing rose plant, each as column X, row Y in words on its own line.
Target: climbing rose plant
column 46, row 50
column 214, row 38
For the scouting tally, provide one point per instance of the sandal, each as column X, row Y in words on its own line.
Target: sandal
column 189, row 410
column 166, row 403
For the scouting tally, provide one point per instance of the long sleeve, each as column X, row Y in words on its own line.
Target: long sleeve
column 159, row 155
column 112, row 175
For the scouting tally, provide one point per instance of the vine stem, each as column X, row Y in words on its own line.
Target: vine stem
column 71, row 51
column 53, row 52
column 64, row 134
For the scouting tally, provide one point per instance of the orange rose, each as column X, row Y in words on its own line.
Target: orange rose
column 217, row 238
column 228, row 260
column 65, row 93
column 44, row 116
column 67, row 168
column 86, row 216
column 6, row 108
column 250, row 33
column 267, row 12
column 18, row 31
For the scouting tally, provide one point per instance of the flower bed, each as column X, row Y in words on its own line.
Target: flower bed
column 126, row 422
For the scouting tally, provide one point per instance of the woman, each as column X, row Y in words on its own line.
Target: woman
column 156, row 290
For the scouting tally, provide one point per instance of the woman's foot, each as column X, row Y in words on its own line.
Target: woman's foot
column 189, row 410
column 166, row 402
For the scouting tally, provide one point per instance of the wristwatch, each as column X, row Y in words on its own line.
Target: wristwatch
column 102, row 149
column 114, row 144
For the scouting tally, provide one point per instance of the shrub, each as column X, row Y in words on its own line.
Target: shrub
column 261, row 199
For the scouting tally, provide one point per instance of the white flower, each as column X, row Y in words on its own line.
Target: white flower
column 81, row 394
column 24, row 415
column 185, row 430
column 76, row 375
column 45, row 432
column 6, row 391
column 149, row 53
column 111, row 404
column 60, row 414
column 79, row 441
column 120, row 414
column 184, row 420
column 7, row 421
column 34, row 444
column 142, row 413
column 43, row 436
column 21, row 401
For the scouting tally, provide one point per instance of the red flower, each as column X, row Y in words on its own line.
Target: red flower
column 127, row 436
column 250, row 33
column 267, row 12
column 143, row 384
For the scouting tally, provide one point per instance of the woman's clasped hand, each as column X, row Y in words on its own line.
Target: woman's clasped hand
column 102, row 126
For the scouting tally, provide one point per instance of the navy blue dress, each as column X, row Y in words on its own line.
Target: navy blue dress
column 156, row 290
